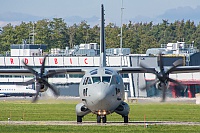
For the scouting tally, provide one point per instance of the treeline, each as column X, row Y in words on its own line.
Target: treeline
column 137, row 36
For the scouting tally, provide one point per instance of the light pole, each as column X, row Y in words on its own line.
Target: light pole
column 121, row 32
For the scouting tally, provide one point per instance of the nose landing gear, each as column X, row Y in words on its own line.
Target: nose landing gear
column 101, row 117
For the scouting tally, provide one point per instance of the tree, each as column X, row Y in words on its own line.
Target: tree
column 59, row 37
column 43, row 32
column 8, row 37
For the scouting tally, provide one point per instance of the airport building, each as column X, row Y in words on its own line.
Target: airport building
column 87, row 55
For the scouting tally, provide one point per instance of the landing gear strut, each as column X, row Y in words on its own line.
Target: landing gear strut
column 125, row 119
column 79, row 119
column 103, row 118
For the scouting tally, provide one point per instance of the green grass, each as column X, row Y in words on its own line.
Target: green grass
column 99, row 129
column 63, row 110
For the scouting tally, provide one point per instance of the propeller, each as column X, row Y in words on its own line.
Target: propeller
column 162, row 76
column 41, row 78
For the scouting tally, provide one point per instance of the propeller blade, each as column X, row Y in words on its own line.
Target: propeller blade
column 51, row 87
column 176, row 64
column 164, row 92
column 176, row 82
column 146, row 68
column 43, row 64
column 149, row 85
column 37, row 93
column 41, row 78
column 161, row 62
column 30, row 68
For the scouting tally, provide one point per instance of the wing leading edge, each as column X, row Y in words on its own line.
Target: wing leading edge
column 180, row 69
column 26, row 72
column 186, row 69
column 133, row 70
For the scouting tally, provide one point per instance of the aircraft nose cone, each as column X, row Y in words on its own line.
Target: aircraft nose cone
column 101, row 95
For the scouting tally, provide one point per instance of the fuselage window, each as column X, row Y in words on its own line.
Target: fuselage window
column 108, row 71
column 96, row 79
column 93, row 72
column 106, row 79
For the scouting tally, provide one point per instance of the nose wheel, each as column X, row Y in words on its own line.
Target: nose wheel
column 101, row 118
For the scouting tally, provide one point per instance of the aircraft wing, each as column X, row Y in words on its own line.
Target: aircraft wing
column 15, row 72
column 180, row 69
column 134, row 70
column 68, row 70
column 49, row 71
column 186, row 69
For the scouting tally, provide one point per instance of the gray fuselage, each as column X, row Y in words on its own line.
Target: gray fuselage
column 102, row 90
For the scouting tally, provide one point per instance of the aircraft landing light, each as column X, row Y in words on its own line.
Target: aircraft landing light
column 102, row 112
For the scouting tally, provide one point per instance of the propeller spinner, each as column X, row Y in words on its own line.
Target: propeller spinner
column 162, row 76
column 41, row 78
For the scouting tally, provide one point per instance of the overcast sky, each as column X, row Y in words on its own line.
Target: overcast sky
column 134, row 9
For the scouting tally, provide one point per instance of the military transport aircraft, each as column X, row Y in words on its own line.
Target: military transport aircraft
column 101, row 88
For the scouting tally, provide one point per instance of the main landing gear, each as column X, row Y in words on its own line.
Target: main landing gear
column 101, row 118
column 125, row 119
column 79, row 119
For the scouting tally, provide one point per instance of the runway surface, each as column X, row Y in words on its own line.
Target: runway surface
column 74, row 123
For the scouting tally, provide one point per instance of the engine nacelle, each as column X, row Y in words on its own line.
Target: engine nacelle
column 82, row 110
column 43, row 88
column 123, row 109
column 158, row 86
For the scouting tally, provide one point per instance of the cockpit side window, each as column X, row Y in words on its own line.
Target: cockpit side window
column 115, row 80
column 87, row 80
column 106, row 79
column 84, row 82
column 96, row 79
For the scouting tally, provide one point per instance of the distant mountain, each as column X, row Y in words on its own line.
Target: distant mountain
column 181, row 13
column 13, row 16
column 186, row 13
column 77, row 19
column 16, row 18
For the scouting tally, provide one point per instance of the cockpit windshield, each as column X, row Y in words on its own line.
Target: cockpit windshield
column 106, row 79
column 96, row 79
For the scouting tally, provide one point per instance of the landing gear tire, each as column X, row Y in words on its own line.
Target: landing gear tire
column 125, row 119
column 104, row 119
column 98, row 119
column 79, row 119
